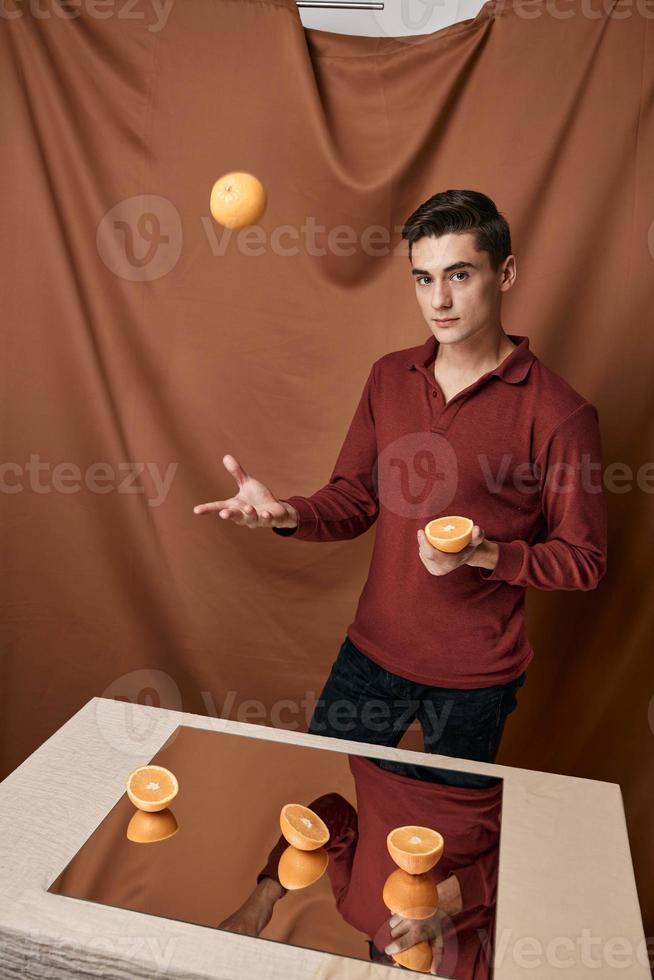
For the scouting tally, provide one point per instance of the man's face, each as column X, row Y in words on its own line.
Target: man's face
column 456, row 283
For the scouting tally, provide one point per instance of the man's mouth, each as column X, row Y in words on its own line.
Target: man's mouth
column 449, row 319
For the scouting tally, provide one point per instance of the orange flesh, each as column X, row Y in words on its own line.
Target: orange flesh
column 449, row 527
column 151, row 785
column 305, row 822
column 416, row 840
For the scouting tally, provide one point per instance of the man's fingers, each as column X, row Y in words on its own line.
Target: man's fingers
column 224, row 510
column 477, row 538
column 234, row 467
column 207, row 508
column 404, row 941
column 228, row 510
column 477, row 535
column 426, row 550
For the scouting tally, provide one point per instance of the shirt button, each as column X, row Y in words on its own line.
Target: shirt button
column 434, row 393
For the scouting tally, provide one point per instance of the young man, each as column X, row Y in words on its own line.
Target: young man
column 469, row 423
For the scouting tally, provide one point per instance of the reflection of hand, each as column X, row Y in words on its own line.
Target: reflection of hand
column 256, row 911
column 409, row 932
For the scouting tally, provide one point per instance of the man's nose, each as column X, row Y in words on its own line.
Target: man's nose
column 440, row 297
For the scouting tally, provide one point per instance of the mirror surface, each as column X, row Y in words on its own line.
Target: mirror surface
column 214, row 859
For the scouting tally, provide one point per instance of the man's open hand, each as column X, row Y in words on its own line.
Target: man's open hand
column 440, row 562
column 253, row 506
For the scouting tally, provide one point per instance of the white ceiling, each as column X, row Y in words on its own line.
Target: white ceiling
column 397, row 19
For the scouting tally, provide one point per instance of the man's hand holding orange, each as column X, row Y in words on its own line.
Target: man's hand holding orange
column 478, row 552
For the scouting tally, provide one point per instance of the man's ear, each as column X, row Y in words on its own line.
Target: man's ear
column 508, row 273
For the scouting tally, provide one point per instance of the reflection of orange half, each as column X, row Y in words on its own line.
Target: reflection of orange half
column 302, row 827
column 412, row 896
column 152, row 788
column 449, row 534
column 416, row 958
column 146, row 828
column 415, row 849
column 298, row 869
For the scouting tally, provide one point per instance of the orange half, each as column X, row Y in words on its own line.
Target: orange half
column 146, row 828
column 412, row 896
column 418, row 957
column 415, row 849
column 299, row 869
column 302, row 827
column 152, row 788
column 450, row 534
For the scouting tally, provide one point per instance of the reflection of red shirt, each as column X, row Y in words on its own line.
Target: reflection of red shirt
column 359, row 862
column 468, row 819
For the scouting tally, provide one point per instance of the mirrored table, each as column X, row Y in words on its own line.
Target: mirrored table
column 541, row 861
column 201, row 859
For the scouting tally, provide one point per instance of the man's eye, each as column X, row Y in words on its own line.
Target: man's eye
column 423, row 277
column 460, row 274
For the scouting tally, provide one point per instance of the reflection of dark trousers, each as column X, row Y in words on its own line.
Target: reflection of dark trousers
column 363, row 702
column 341, row 819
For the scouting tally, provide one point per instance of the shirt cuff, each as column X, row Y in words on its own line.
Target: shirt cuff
column 509, row 562
column 307, row 521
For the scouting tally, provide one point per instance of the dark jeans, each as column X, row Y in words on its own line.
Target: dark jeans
column 363, row 702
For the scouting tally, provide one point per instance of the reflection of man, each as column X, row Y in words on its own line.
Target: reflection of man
column 390, row 795
column 470, row 423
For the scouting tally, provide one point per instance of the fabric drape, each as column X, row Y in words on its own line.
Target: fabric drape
column 142, row 341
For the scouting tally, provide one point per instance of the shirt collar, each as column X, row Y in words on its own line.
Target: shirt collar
column 513, row 368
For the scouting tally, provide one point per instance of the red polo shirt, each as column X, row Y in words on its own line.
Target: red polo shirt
column 518, row 452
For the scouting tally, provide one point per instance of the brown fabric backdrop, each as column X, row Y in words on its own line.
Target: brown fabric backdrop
column 142, row 335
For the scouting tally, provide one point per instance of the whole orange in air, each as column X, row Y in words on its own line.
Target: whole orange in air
column 299, row 869
column 415, row 849
column 146, row 828
column 411, row 896
column 416, row 957
column 449, row 534
column 238, row 200
column 302, row 827
column 152, row 788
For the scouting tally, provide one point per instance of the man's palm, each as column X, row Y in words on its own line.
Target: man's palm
column 254, row 505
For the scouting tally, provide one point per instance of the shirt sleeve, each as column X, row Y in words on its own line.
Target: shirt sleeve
column 348, row 505
column 569, row 470
column 478, row 881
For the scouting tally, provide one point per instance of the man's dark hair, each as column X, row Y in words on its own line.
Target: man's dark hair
column 461, row 211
